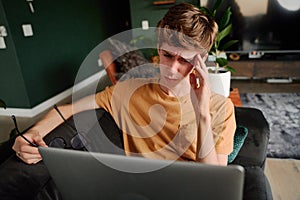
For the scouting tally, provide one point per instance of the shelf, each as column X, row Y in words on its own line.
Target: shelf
column 163, row 2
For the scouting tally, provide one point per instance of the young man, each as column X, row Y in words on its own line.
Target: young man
column 173, row 117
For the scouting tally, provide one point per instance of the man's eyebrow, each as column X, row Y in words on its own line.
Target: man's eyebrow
column 173, row 54
column 165, row 51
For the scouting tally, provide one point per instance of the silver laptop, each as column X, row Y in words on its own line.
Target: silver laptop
column 86, row 175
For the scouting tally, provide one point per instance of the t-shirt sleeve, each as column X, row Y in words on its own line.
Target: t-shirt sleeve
column 103, row 98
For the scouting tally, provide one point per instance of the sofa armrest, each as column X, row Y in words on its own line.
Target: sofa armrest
column 254, row 150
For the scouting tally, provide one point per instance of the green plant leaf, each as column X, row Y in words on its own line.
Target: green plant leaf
column 225, row 19
column 224, row 33
column 2, row 104
column 231, row 69
column 227, row 45
column 225, row 28
column 222, row 62
column 206, row 11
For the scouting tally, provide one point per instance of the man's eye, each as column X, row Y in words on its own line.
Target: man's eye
column 186, row 61
column 167, row 55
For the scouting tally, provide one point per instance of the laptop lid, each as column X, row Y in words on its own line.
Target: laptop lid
column 86, row 175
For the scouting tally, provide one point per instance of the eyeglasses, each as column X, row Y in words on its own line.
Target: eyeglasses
column 21, row 133
column 77, row 141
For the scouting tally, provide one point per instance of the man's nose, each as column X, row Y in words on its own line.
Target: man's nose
column 174, row 65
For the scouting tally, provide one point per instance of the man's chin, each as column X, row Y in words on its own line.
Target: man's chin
column 175, row 85
column 169, row 83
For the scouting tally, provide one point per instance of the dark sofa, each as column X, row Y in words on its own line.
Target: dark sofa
column 252, row 155
column 22, row 181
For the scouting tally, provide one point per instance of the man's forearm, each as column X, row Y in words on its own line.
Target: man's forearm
column 204, row 137
column 206, row 152
column 52, row 119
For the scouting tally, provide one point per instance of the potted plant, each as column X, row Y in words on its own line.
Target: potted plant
column 220, row 73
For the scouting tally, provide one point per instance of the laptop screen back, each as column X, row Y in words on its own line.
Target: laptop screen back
column 86, row 175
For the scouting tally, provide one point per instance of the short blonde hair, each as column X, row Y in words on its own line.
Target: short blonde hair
column 184, row 25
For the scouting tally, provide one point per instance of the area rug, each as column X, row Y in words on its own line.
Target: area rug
column 282, row 111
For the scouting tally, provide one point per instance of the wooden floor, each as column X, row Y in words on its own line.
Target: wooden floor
column 284, row 178
column 283, row 174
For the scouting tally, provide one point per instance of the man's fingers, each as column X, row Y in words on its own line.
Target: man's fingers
column 29, row 158
column 25, row 151
column 199, row 63
column 29, row 149
column 200, row 71
column 193, row 80
column 39, row 140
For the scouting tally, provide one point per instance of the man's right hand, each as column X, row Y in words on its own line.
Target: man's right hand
column 25, row 151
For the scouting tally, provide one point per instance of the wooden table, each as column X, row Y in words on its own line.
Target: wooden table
column 235, row 97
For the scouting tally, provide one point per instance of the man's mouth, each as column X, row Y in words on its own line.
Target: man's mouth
column 171, row 79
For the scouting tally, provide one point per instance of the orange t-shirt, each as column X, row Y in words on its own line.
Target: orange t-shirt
column 159, row 126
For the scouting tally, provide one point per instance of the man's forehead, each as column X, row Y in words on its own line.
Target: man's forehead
column 184, row 53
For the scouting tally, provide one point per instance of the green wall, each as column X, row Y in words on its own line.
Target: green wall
column 11, row 78
column 145, row 10
column 34, row 69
